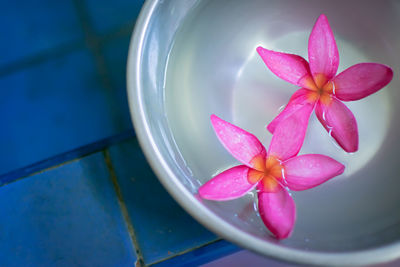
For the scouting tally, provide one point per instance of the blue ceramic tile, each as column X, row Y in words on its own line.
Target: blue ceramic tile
column 55, row 107
column 110, row 15
column 162, row 228
column 29, row 27
column 67, row 216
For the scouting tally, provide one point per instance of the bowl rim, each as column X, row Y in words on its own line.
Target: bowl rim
column 191, row 205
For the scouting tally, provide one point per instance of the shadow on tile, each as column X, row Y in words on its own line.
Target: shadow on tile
column 107, row 16
column 162, row 227
column 31, row 27
column 55, row 107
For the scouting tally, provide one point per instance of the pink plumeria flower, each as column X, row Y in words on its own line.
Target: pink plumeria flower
column 270, row 171
column 322, row 88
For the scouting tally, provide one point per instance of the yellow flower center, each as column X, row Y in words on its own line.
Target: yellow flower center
column 266, row 171
column 320, row 89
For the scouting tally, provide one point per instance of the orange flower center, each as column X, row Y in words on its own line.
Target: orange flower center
column 266, row 171
column 320, row 89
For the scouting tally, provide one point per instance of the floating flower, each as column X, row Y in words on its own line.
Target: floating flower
column 322, row 88
column 270, row 171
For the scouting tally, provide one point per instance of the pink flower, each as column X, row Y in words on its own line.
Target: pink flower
column 269, row 171
column 322, row 88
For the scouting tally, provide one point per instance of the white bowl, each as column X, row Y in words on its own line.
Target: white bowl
column 189, row 59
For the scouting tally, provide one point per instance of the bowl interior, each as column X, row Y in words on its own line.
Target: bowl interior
column 198, row 58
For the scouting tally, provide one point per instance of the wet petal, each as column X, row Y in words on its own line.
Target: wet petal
column 289, row 134
column 230, row 184
column 339, row 121
column 242, row 145
column 289, row 67
column 322, row 52
column 307, row 171
column 361, row 80
column 298, row 100
column 278, row 212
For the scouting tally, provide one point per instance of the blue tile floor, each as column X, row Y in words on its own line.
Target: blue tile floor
column 74, row 185
column 65, row 216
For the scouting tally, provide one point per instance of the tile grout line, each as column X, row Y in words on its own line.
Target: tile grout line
column 40, row 57
column 94, row 44
column 123, row 208
column 185, row 251
column 61, row 50
column 64, row 158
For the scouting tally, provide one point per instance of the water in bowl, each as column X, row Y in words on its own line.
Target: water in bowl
column 213, row 68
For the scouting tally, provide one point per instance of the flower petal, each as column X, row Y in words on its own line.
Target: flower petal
column 242, row 145
column 361, row 80
column 230, row 184
column 289, row 134
column 322, row 52
column 298, row 100
column 307, row 171
column 278, row 212
column 339, row 121
column 289, row 67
